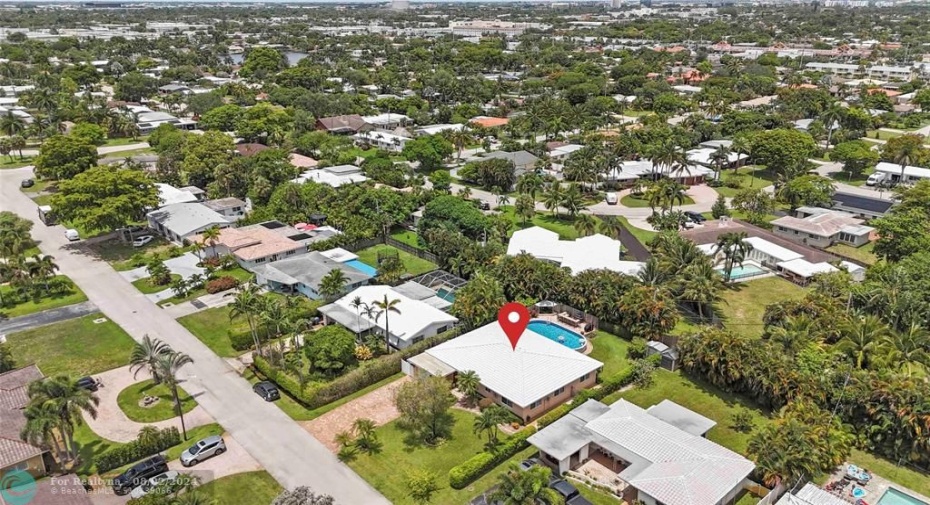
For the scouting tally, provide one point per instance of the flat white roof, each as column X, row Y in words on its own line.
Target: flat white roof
column 587, row 253
column 170, row 195
column 776, row 251
column 323, row 176
column 909, row 171
column 806, row 269
column 415, row 316
column 536, row 368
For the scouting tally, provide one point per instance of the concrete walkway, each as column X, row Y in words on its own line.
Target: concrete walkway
column 47, row 317
column 112, row 424
column 205, row 302
column 280, row 445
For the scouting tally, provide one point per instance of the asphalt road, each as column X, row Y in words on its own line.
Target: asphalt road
column 279, row 444
column 46, row 317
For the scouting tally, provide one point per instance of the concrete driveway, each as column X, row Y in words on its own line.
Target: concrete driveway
column 279, row 444
column 184, row 265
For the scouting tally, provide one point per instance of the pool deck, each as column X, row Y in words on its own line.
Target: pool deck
column 876, row 488
column 554, row 319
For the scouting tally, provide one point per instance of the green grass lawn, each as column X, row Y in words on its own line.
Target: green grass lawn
column 744, row 303
column 700, row 397
column 563, row 225
column 596, row 496
column 41, row 185
column 213, row 327
column 844, row 177
column 76, row 347
column 865, row 254
column 386, row 470
column 407, row 237
column 644, row 236
column 130, row 397
column 238, row 273
column 750, row 176
column 882, row 134
column 146, row 286
column 636, row 202
column 413, row 264
column 121, row 155
column 74, row 295
column 118, row 253
column 124, row 141
column 41, row 200
column 16, row 162
column 611, row 351
column 250, row 488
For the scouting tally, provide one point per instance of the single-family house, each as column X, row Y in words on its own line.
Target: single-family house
column 342, row 125
column 302, row 162
column 823, row 227
column 562, row 152
column 387, row 121
column 810, row 494
column 303, row 274
column 178, row 222
column 489, row 122
column 864, row 207
column 334, row 176
column 911, row 174
column 657, row 455
column 170, row 195
column 587, row 253
column 249, row 149
column 523, row 161
column 381, row 139
column 645, row 169
column 801, row 271
column 15, row 454
column 416, row 320
column 704, row 156
column 263, row 243
column 168, row 89
column 530, row 379
column 230, row 207
column 433, row 129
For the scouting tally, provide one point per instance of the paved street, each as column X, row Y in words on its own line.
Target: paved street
column 825, row 168
column 278, row 443
column 47, row 317
column 100, row 150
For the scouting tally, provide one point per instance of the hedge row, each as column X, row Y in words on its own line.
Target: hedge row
column 479, row 464
column 137, row 449
column 317, row 394
column 483, row 462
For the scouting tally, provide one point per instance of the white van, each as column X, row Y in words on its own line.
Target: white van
column 611, row 198
column 876, row 179
column 72, row 234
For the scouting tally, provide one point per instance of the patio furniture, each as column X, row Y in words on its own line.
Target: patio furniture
column 857, row 474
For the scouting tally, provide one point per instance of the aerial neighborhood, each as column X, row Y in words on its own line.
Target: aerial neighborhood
column 483, row 253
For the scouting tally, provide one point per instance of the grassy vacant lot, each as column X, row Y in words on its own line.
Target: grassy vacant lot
column 124, row 141
column 250, row 488
column 611, row 351
column 146, row 286
column 75, row 295
column 386, row 470
column 213, row 327
column 76, row 347
column 413, row 264
column 700, row 397
column 407, row 237
column 744, row 303
column 638, row 202
column 130, row 397
column 750, row 176
column 864, row 254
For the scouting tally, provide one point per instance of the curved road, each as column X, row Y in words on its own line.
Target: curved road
column 279, row 444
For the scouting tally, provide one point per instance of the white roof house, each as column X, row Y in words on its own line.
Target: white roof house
column 416, row 320
column 181, row 220
column 704, row 156
column 811, row 494
column 334, row 176
column 665, row 463
column 433, row 129
column 805, row 269
column 170, row 195
column 911, row 173
column 564, row 151
column 536, row 368
column 587, row 253
column 776, row 252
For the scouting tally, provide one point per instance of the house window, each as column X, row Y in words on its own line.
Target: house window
column 506, row 402
column 534, row 404
column 558, row 392
column 584, row 377
column 811, row 235
column 260, row 260
column 796, row 232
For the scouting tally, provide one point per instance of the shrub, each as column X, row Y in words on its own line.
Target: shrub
column 742, row 421
column 137, row 449
column 485, row 403
column 240, row 340
column 221, row 284
column 479, row 464
column 733, row 183
column 363, row 353
column 554, row 415
column 637, row 348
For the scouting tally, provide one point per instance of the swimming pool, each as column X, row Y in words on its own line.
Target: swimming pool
column 739, row 272
column 557, row 333
column 362, row 267
column 894, row 497
column 446, row 294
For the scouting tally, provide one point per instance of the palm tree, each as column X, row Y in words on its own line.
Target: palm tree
column 69, row 401
column 516, row 487
column 862, row 338
column 168, row 366
column 502, row 198
column 719, row 159
column 333, row 283
column 359, row 306
column 525, row 207
column 734, row 248
column 572, row 200
column 246, row 304
column 210, row 236
column 145, row 354
column 829, row 117
column 905, row 154
column 11, row 124
column 468, row 384
column 701, row 290
column 910, row 348
column 44, row 268
column 43, row 426
column 488, row 420
column 585, row 225
column 553, row 197
column 465, row 193
column 530, row 183
column 386, row 307
column 610, row 226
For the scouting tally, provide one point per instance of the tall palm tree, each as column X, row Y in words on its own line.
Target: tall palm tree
column 585, row 225
column 43, row 426
column 909, row 348
column 246, row 304
column 530, row 183
column 829, row 117
column 44, row 268
column 525, row 207
column 610, row 226
column 516, row 487
column 734, row 248
column 145, row 354
column 333, row 283
column 905, row 154
column 862, row 338
column 358, row 305
column 11, row 124
column 69, row 401
column 553, row 197
column 387, row 306
column 210, row 236
column 168, row 367
column 572, row 200
column 702, row 291
column 719, row 159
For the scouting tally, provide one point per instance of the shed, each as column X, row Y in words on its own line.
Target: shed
column 669, row 355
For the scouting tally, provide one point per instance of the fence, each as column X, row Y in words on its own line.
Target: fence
column 772, row 496
column 419, row 253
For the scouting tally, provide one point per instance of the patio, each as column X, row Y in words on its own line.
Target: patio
column 875, row 489
column 601, row 470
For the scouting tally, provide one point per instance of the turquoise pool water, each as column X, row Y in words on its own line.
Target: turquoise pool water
column 362, row 267
column 446, row 295
column 557, row 333
column 742, row 271
column 894, row 497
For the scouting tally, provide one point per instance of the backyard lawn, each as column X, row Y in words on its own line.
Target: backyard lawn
column 250, row 488
column 74, row 295
column 76, row 347
column 611, row 351
column 864, row 254
column 637, row 202
column 146, row 286
column 412, row 264
column 750, row 176
column 407, row 237
column 386, row 469
column 162, row 410
column 561, row 225
column 213, row 327
column 744, row 303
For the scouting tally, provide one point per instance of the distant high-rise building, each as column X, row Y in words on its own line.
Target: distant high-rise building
column 615, row 4
column 400, row 5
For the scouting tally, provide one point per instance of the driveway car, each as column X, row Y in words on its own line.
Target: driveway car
column 526, row 464
column 27, row 183
column 203, row 449
column 141, row 241
column 139, row 473
column 72, row 235
column 267, row 390
column 568, row 492
column 694, row 216
column 88, row 383
column 152, row 483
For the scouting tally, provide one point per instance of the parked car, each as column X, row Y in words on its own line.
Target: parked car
column 141, row 241
column 484, row 205
column 876, row 179
column 203, row 449
column 611, row 198
column 139, row 473
column 27, row 183
column 695, row 217
column 267, row 390
column 526, row 464
column 152, row 483
column 72, row 234
column 569, row 493
column 88, row 383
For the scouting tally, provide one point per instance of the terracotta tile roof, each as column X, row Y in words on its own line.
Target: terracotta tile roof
column 13, row 399
column 250, row 149
column 490, row 122
column 301, row 161
column 348, row 123
column 253, row 243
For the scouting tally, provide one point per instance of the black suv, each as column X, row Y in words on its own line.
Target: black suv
column 695, row 217
column 267, row 390
column 88, row 383
column 139, row 473
column 568, row 492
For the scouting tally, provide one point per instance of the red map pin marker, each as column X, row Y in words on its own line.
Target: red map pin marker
column 513, row 318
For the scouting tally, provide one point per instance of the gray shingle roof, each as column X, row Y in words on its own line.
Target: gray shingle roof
column 308, row 269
